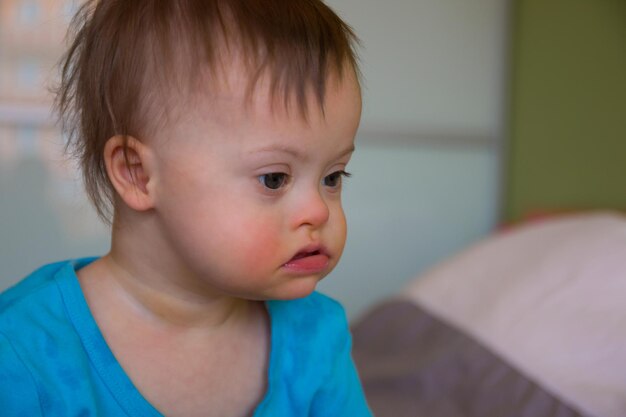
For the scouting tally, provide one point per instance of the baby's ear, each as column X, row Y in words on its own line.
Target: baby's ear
column 128, row 166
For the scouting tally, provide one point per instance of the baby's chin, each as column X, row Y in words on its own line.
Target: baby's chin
column 299, row 287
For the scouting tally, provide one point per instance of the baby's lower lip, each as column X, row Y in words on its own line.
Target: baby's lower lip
column 309, row 264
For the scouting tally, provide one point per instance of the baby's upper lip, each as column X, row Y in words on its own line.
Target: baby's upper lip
column 311, row 249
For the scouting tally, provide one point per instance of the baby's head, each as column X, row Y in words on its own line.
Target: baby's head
column 222, row 127
column 134, row 64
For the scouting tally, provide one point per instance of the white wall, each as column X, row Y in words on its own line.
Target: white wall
column 430, row 65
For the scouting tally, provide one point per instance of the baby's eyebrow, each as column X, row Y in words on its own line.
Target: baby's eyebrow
column 347, row 152
column 278, row 149
column 296, row 153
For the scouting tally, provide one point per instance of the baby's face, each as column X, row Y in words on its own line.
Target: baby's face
column 248, row 199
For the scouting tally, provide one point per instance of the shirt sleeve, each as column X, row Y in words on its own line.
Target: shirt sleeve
column 18, row 393
column 342, row 394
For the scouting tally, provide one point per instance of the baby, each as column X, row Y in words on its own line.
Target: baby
column 214, row 136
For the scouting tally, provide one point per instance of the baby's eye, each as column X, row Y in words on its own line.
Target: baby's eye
column 334, row 180
column 273, row 180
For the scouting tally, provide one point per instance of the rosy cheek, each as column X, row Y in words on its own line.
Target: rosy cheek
column 262, row 249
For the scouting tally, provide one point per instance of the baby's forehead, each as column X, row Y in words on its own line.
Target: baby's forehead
column 227, row 126
column 227, row 107
column 234, row 89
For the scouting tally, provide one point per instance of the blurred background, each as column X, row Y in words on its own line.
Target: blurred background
column 473, row 113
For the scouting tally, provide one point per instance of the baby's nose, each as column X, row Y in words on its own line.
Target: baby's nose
column 313, row 211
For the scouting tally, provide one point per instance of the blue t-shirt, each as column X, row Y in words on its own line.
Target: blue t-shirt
column 54, row 360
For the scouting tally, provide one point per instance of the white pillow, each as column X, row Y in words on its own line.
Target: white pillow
column 550, row 297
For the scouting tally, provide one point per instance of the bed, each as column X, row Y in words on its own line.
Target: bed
column 530, row 322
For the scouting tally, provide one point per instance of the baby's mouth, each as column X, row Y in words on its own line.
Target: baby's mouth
column 304, row 254
column 308, row 261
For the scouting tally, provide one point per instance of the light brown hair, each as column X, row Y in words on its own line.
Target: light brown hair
column 127, row 56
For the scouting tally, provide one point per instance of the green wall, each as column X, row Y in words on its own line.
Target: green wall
column 567, row 134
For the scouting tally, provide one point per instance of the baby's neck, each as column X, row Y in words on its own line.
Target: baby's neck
column 167, row 307
column 173, row 304
column 157, row 288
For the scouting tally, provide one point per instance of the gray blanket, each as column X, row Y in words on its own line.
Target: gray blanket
column 415, row 365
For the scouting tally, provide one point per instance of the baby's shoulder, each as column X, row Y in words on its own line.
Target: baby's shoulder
column 26, row 312
column 315, row 306
column 39, row 301
column 41, row 286
column 322, row 306
column 30, row 286
column 316, row 316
